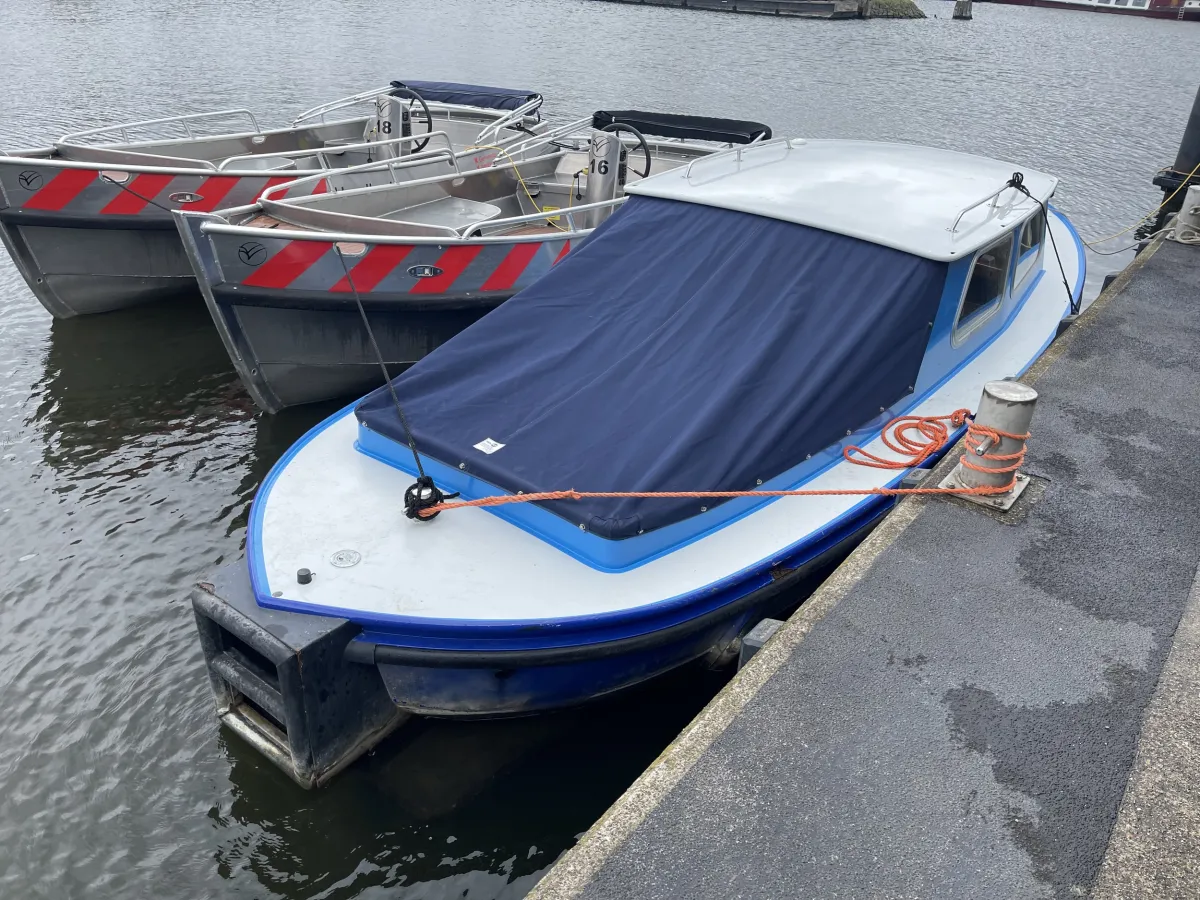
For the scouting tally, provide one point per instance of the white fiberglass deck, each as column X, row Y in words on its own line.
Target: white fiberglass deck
column 470, row 564
column 898, row 195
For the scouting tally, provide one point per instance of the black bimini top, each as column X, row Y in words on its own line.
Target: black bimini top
column 681, row 348
column 477, row 95
column 685, row 128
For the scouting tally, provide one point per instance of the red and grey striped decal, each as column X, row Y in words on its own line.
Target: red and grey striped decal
column 377, row 265
column 84, row 192
column 314, row 266
column 287, row 265
column 452, row 263
column 513, row 267
column 60, row 190
column 141, row 191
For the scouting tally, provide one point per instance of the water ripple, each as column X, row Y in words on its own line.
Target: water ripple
column 129, row 454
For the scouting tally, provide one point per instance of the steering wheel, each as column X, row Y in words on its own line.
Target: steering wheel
column 418, row 146
column 617, row 126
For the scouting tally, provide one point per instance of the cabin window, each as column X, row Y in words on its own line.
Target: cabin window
column 1033, row 233
column 1139, row 2
column 1122, row 2
column 985, row 286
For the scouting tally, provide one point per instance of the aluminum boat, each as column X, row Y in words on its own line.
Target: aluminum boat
column 733, row 327
column 290, row 279
column 88, row 220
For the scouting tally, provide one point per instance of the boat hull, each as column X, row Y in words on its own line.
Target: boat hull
column 289, row 318
column 81, row 270
column 85, row 244
column 491, row 684
column 287, row 354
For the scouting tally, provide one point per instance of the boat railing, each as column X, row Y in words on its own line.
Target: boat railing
column 341, row 103
column 739, row 153
column 185, row 120
column 322, row 153
column 993, row 197
column 492, row 132
column 392, row 165
column 489, row 132
column 554, row 134
column 567, row 213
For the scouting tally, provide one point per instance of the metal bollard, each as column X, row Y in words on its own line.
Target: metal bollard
column 1006, row 406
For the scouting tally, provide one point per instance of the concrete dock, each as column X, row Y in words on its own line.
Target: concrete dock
column 976, row 704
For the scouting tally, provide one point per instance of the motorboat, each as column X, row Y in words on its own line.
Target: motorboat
column 88, row 220
column 736, row 326
column 292, row 280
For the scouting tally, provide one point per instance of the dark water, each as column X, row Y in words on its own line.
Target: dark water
column 129, row 454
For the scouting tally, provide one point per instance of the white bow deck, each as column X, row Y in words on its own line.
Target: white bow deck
column 468, row 564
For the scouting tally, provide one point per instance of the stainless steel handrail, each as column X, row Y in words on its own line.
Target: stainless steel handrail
column 185, row 120
column 217, row 226
column 515, row 115
column 329, row 107
column 403, row 162
column 994, row 196
column 568, row 213
column 738, row 152
column 554, row 134
column 339, row 148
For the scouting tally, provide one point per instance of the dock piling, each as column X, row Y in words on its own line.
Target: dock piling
column 1006, row 406
column 962, row 10
column 1186, row 169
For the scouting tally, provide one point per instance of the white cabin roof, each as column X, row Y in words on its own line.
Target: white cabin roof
column 898, row 195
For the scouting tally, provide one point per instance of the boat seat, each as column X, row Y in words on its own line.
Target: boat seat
column 527, row 229
column 268, row 164
column 446, row 212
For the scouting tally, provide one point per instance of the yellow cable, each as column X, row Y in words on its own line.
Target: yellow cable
column 517, row 172
column 1182, row 185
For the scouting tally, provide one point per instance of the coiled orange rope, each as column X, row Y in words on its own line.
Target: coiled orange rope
column 915, row 439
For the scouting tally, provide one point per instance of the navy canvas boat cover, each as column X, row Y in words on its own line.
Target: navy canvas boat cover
column 686, row 128
column 682, row 347
column 478, row 95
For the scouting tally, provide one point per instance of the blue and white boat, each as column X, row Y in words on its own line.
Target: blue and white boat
column 734, row 327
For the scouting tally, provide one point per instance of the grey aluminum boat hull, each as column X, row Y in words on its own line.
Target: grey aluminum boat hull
column 81, row 270
column 290, row 356
column 292, row 347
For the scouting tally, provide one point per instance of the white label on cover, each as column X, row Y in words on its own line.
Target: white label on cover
column 489, row 446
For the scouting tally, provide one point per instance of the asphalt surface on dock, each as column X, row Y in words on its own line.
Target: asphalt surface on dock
column 959, row 710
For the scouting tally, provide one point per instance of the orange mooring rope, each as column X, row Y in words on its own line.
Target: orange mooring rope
column 915, row 438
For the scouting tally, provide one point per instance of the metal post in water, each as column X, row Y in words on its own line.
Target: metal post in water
column 1006, row 406
column 1189, row 147
column 1187, row 159
column 962, row 9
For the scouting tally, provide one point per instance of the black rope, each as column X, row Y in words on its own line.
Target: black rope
column 1018, row 182
column 105, row 177
column 424, row 493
